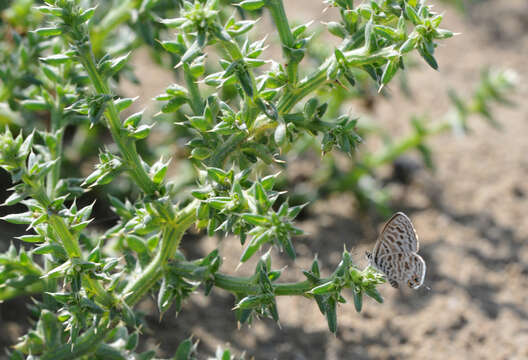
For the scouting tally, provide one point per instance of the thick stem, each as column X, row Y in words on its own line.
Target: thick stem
column 126, row 146
column 170, row 242
column 71, row 245
column 56, row 152
column 243, row 285
column 221, row 154
column 197, row 104
column 85, row 344
column 8, row 293
column 280, row 19
column 355, row 58
column 305, row 87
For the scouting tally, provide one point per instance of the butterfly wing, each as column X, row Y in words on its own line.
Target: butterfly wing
column 403, row 268
column 399, row 232
column 398, row 235
column 416, row 276
column 395, row 253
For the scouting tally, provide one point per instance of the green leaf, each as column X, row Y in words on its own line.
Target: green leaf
column 201, row 153
column 251, row 5
column 373, row 293
column 252, row 301
column 20, row 218
column 390, row 70
column 48, row 31
column 31, row 238
column 137, row 244
column 57, row 59
column 132, row 342
column 280, row 134
column 412, row 15
column 173, row 47
column 337, row 29
column 141, row 131
column 429, row 58
column 331, row 314
column 261, row 197
column 134, row 119
column 254, row 245
column 217, row 175
column 325, row 288
column 35, row 105
column 358, row 299
column 87, row 14
column 201, row 194
column 199, row 122
column 173, row 105
column 184, row 350
column 122, row 104
column 105, row 351
column 118, row 63
column 257, row 220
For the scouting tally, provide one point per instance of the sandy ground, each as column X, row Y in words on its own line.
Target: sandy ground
column 470, row 217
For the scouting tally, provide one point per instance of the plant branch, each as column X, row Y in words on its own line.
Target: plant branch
column 170, row 242
column 126, row 145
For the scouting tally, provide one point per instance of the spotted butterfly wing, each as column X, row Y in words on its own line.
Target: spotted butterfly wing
column 395, row 253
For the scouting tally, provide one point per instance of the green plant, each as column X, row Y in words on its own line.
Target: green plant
column 360, row 177
column 60, row 67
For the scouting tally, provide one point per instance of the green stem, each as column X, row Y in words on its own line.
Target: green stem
column 170, row 242
column 126, row 146
column 243, row 285
column 197, row 104
column 9, row 293
column 84, row 345
column 71, row 245
column 391, row 152
column 355, row 58
column 305, row 87
column 220, row 155
column 56, row 152
column 69, row 242
column 280, row 19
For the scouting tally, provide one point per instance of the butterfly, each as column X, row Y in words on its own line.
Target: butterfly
column 395, row 253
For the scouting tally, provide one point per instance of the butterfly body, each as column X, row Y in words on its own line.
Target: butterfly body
column 395, row 253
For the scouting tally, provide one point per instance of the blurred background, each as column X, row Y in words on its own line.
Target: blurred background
column 466, row 195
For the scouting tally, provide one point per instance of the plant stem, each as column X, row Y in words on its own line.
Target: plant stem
column 85, row 344
column 71, row 245
column 392, row 151
column 306, row 86
column 7, row 293
column 355, row 58
column 56, row 152
column 126, row 146
column 244, row 285
column 280, row 19
column 197, row 104
column 170, row 242
column 220, row 155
